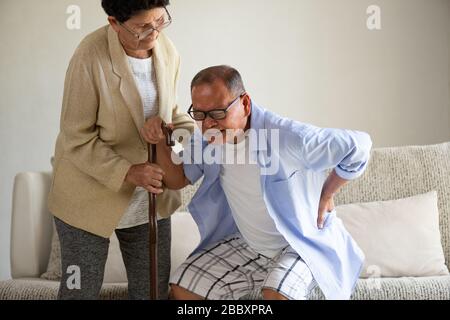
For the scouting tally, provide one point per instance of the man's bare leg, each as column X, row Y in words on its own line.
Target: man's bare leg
column 179, row 293
column 269, row 294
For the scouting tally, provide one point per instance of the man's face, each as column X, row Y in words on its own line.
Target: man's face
column 207, row 97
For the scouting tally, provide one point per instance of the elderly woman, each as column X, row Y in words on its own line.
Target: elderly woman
column 121, row 77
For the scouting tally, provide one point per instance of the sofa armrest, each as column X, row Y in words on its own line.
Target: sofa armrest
column 31, row 225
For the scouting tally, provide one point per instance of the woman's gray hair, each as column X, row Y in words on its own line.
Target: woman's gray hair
column 230, row 77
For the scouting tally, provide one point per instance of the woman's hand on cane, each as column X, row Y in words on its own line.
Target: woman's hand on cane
column 146, row 175
column 152, row 130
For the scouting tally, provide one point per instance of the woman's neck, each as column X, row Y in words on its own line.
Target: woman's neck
column 138, row 54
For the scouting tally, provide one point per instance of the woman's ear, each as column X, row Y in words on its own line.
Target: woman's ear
column 113, row 23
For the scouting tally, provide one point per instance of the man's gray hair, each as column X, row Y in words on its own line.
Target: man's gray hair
column 230, row 77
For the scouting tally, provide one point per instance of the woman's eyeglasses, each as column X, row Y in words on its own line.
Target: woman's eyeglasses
column 164, row 22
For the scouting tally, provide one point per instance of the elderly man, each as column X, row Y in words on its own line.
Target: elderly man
column 265, row 207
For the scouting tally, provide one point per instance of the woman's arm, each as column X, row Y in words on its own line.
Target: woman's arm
column 81, row 137
column 80, row 133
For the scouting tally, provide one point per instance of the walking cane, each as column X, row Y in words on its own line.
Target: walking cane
column 153, row 221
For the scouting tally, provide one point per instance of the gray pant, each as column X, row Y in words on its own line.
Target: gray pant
column 89, row 252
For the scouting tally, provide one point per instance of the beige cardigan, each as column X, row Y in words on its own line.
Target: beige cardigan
column 99, row 138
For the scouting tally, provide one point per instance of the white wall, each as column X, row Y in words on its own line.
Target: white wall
column 312, row 60
column 316, row 61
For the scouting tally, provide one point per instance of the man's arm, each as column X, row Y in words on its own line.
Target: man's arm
column 331, row 186
column 174, row 177
column 345, row 151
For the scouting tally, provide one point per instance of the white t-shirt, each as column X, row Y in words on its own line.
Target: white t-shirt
column 240, row 181
column 144, row 75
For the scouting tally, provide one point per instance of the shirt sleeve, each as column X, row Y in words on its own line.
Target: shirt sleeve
column 347, row 151
column 192, row 157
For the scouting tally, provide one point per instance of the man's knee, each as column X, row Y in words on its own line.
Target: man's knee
column 269, row 294
column 179, row 293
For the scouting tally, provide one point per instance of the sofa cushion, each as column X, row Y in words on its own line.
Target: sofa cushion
column 424, row 288
column 38, row 289
column 405, row 288
column 400, row 172
column 399, row 237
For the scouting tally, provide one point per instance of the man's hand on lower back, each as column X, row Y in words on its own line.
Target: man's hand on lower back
column 326, row 205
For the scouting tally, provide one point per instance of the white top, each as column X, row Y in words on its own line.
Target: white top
column 240, row 180
column 145, row 78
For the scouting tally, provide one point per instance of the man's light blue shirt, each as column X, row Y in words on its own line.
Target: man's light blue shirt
column 294, row 159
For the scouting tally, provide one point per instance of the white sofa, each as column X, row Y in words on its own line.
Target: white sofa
column 393, row 173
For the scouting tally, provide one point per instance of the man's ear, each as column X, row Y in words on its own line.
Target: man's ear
column 113, row 23
column 247, row 103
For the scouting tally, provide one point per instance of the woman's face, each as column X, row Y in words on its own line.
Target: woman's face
column 140, row 24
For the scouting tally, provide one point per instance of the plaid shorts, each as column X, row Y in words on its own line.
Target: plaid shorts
column 230, row 270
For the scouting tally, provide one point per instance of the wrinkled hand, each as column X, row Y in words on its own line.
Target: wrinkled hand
column 326, row 205
column 146, row 175
column 152, row 131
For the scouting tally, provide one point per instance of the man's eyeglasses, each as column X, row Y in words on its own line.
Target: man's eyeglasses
column 216, row 114
column 163, row 22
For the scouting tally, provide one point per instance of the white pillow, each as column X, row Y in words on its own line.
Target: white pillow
column 400, row 238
